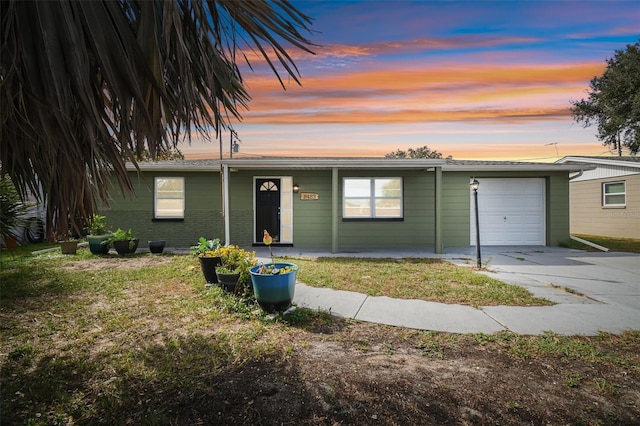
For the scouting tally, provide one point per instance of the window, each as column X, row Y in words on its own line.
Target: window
column 169, row 198
column 613, row 194
column 372, row 198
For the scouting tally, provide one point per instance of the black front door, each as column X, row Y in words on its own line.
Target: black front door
column 268, row 208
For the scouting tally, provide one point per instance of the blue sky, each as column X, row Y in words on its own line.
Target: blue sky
column 475, row 80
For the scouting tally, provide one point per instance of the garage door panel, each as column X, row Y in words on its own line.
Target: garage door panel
column 511, row 212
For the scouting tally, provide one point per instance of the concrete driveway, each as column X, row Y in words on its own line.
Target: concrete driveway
column 594, row 292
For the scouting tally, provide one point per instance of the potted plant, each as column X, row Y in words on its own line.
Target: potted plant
column 156, row 246
column 123, row 241
column 233, row 271
column 228, row 278
column 68, row 243
column 205, row 251
column 273, row 283
column 97, row 234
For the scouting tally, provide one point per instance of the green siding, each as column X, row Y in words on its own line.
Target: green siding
column 457, row 205
column 558, row 210
column 241, row 208
column 455, row 209
column 416, row 228
column 203, row 215
column 312, row 219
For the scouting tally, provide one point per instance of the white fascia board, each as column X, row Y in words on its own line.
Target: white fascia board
column 329, row 163
column 179, row 167
column 516, row 167
column 601, row 161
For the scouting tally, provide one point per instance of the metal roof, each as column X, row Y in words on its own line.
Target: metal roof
column 301, row 163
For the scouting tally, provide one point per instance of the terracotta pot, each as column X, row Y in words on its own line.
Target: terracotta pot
column 10, row 242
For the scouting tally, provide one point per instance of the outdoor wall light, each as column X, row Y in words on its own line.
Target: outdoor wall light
column 475, row 185
column 296, row 188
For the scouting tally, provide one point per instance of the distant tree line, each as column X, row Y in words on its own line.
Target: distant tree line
column 421, row 152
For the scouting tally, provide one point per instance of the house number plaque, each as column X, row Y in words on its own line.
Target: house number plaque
column 308, row 196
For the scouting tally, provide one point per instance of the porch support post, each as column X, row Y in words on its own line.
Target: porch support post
column 225, row 204
column 439, row 247
column 334, row 210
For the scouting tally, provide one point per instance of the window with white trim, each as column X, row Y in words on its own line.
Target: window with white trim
column 614, row 194
column 169, row 198
column 372, row 198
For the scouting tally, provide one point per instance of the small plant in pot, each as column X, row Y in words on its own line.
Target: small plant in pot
column 97, row 233
column 205, row 250
column 123, row 241
column 233, row 272
column 68, row 243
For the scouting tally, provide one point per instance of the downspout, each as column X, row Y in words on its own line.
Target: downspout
column 580, row 240
column 577, row 176
column 225, row 203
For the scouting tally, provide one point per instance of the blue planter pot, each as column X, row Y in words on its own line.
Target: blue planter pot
column 274, row 292
column 95, row 244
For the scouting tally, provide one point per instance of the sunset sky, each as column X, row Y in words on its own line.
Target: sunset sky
column 474, row 80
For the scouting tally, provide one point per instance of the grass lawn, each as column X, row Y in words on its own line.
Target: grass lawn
column 629, row 245
column 140, row 340
column 427, row 279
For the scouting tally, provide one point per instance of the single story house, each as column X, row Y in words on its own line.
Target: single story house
column 605, row 201
column 344, row 204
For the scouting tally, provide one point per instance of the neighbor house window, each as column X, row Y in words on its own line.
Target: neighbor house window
column 169, row 198
column 372, row 198
column 613, row 194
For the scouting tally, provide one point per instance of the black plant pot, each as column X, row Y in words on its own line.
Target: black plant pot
column 156, row 246
column 208, row 266
column 126, row 246
column 228, row 281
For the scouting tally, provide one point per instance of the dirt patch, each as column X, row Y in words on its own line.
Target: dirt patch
column 120, row 262
column 371, row 374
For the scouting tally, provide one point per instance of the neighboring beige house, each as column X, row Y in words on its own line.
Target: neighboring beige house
column 605, row 201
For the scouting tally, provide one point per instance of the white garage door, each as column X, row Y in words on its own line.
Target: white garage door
column 511, row 212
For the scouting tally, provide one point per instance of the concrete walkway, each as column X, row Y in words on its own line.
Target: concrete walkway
column 603, row 296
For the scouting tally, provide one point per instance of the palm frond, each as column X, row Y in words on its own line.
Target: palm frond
column 92, row 85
